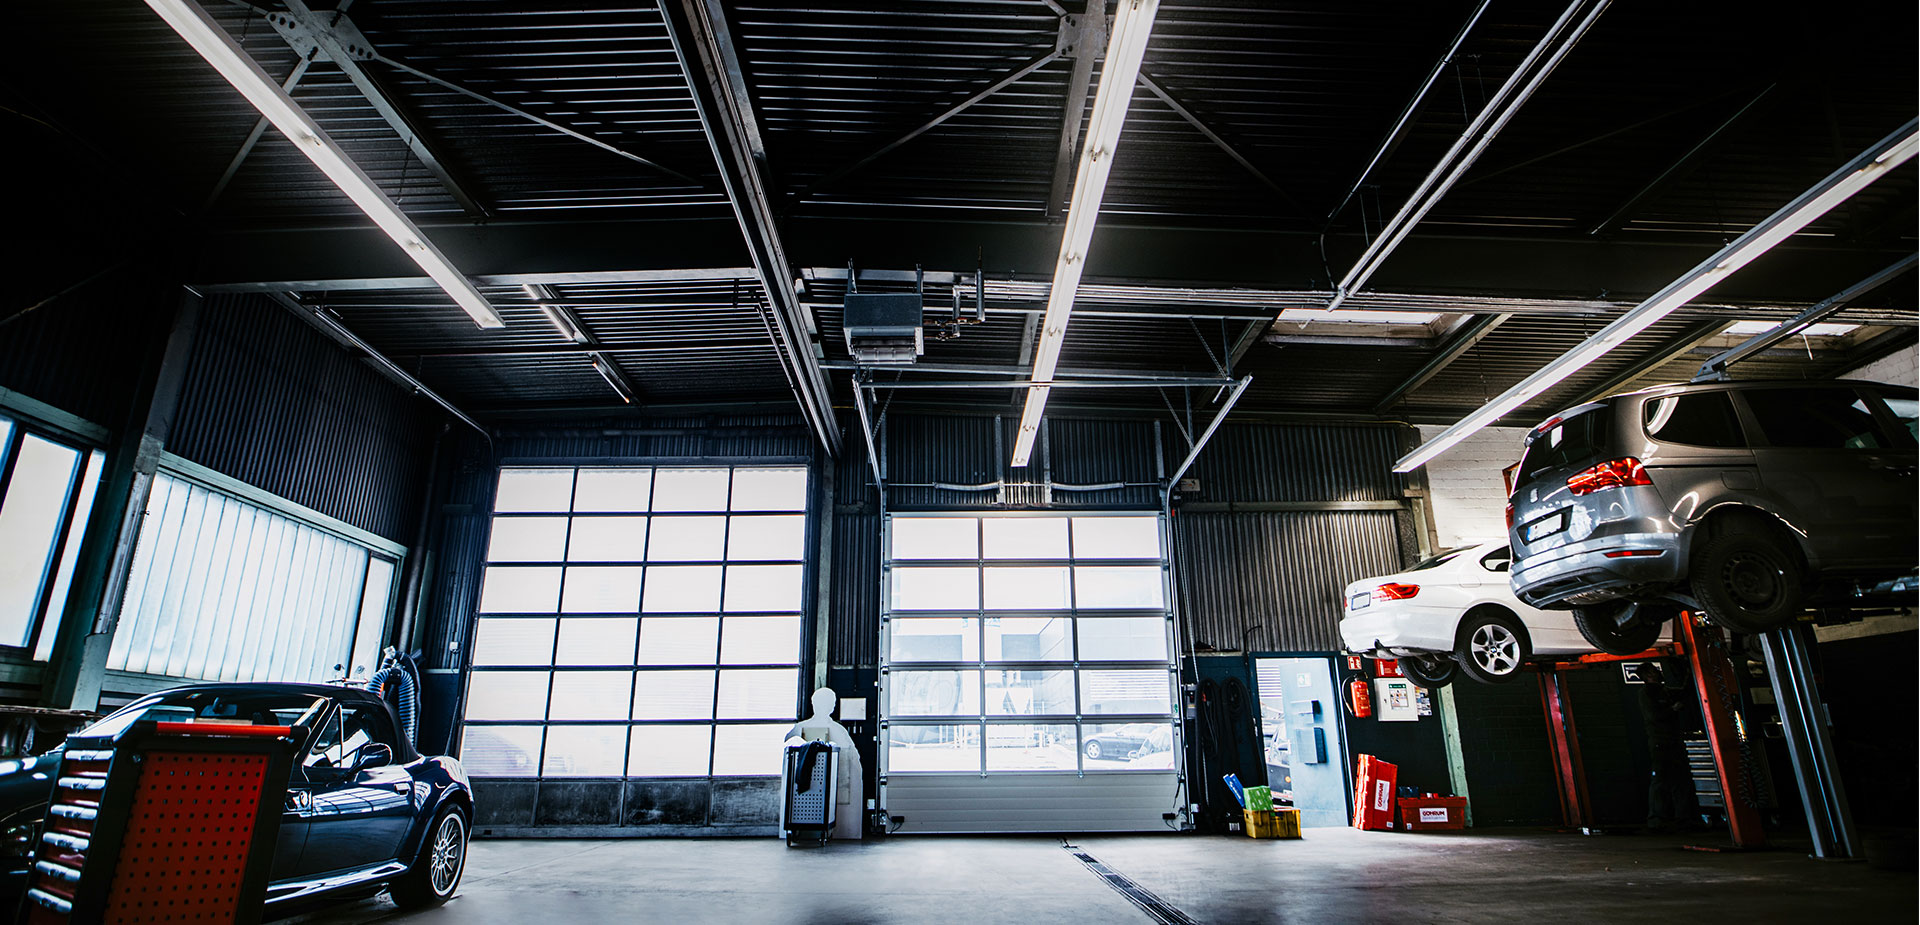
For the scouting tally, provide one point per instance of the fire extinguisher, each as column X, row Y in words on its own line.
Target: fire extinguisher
column 1359, row 699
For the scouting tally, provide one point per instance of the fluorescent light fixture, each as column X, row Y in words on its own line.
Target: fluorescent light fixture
column 1126, row 47
column 555, row 316
column 606, row 370
column 1891, row 152
column 1357, row 316
column 1823, row 329
column 218, row 48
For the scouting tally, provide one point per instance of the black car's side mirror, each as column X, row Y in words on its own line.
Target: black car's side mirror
column 374, row 755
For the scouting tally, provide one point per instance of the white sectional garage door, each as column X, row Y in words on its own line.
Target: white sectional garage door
column 1028, row 675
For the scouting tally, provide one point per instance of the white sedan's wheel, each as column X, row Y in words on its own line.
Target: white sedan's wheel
column 1492, row 646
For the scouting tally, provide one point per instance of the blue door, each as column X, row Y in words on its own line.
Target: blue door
column 356, row 817
column 1306, row 755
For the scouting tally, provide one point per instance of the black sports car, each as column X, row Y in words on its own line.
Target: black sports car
column 363, row 811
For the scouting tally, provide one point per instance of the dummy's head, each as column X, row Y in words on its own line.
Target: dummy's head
column 823, row 701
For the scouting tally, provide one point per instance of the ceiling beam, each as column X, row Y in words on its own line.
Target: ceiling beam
column 1084, row 38
column 1716, row 365
column 569, row 326
column 340, row 41
column 561, row 350
column 705, row 49
column 1184, row 111
column 1674, row 171
column 1669, row 350
column 1462, row 340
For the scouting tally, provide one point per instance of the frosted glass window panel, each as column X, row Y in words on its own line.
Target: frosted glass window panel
column 6, row 439
column 1024, row 692
column 520, row 589
column 749, row 749
column 1117, row 639
column 585, row 751
column 607, row 539
column 1127, row 746
column 682, row 589
column 758, row 588
column 760, row 640
column 501, row 751
column 936, row 588
column 371, row 633
column 670, row 751
column 688, row 539
column 590, row 695
column 936, row 538
column 613, row 491
column 758, row 693
column 1116, row 587
column 1030, row 639
column 679, row 640
column 528, row 539
column 1023, row 537
column 763, row 537
column 1025, row 747
column 1116, row 537
column 1118, row 691
column 31, row 518
column 673, row 694
column 509, row 695
column 1032, row 588
column 596, row 641
column 70, row 554
column 690, row 489
column 602, row 589
column 933, row 748
column 934, row 639
column 534, row 491
column 513, row 641
column 765, row 489
column 933, row 693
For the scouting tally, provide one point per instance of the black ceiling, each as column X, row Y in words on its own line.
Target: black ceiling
column 1670, row 129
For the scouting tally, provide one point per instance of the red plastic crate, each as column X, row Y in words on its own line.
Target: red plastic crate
column 1373, row 793
column 1433, row 814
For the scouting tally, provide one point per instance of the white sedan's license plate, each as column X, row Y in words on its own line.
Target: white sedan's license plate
column 1547, row 526
column 1360, row 599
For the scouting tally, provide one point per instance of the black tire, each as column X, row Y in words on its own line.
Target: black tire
column 1748, row 581
column 1429, row 671
column 1601, row 625
column 435, row 874
column 1492, row 646
column 1093, row 750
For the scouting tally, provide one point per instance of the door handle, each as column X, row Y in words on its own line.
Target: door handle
column 300, row 801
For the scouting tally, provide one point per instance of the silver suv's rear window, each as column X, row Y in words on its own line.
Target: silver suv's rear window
column 1571, row 440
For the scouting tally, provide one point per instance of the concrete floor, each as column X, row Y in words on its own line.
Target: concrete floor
column 1332, row 876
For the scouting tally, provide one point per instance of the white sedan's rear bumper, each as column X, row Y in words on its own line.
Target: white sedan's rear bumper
column 1389, row 626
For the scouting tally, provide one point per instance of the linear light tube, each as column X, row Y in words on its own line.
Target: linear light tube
column 554, row 316
column 1891, row 152
column 219, row 49
column 1126, row 47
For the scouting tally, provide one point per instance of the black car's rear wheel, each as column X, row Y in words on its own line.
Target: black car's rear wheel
column 1748, row 582
column 435, row 874
column 1622, row 627
column 1429, row 671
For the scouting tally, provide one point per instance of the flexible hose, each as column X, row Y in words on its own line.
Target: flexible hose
column 395, row 673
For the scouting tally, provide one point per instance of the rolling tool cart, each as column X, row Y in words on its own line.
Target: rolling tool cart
column 808, row 780
column 165, row 822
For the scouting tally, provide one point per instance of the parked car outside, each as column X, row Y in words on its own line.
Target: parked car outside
column 1748, row 502
column 1454, row 610
column 1119, row 744
column 363, row 810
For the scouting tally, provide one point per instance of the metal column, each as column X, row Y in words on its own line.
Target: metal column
column 1718, row 688
column 1569, row 773
column 1789, row 662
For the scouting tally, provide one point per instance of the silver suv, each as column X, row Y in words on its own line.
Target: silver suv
column 1746, row 501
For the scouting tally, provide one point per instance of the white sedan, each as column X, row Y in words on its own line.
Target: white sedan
column 1454, row 609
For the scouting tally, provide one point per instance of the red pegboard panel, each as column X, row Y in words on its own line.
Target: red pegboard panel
column 188, row 835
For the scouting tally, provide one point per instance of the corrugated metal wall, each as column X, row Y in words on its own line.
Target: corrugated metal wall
column 853, row 631
column 924, row 450
column 1273, row 577
column 275, row 404
column 85, row 352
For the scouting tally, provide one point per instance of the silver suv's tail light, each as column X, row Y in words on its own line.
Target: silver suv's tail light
column 1614, row 473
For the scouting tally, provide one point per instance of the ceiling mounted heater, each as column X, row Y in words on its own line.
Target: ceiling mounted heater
column 884, row 329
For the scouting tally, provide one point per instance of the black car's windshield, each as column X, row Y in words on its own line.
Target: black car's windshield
column 1573, row 439
column 243, row 707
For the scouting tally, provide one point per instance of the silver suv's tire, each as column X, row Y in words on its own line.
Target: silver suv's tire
column 1600, row 625
column 1492, row 646
column 1747, row 581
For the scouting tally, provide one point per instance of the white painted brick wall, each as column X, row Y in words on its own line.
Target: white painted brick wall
column 1469, row 498
column 1902, row 368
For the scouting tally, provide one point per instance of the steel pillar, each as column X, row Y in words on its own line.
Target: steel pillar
column 1569, row 773
column 1829, row 819
column 1718, row 688
column 78, row 664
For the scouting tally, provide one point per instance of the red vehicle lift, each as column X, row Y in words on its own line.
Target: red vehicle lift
column 1714, row 683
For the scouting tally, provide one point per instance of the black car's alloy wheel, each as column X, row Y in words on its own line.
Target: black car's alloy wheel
column 435, row 874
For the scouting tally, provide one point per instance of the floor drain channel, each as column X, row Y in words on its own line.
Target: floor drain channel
column 1140, row 896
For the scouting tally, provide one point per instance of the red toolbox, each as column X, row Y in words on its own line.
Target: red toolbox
column 1373, row 793
column 1433, row 814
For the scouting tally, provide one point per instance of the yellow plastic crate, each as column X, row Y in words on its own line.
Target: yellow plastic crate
column 1272, row 823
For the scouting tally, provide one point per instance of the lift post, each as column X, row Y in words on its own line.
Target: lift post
column 1569, row 774
column 1718, row 688
column 1809, row 741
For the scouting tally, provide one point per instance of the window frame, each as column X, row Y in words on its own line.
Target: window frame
column 82, row 496
column 1759, row 439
